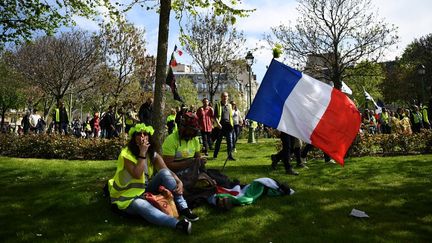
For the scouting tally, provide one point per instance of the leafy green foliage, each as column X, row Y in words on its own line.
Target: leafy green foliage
column 418, row 53
column 20, row 20
column 187, row 91
column 365, row 75
column 59, row 147
column 11, row 94
column 392, row 144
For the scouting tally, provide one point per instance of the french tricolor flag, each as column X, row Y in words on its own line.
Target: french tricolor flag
column 306, row 108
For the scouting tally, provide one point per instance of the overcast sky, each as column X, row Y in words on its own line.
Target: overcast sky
column 412, row 17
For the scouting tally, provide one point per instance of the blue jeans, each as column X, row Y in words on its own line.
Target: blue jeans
column 141, row 207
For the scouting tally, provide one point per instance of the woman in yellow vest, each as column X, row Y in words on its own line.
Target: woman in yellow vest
column 136, row 173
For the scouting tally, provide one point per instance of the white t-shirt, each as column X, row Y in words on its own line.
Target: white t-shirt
column 34, row 118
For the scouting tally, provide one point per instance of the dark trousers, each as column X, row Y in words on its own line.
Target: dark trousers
column 226, row 132
column 206, row 140
column 62, row 127
column 308, row 147
column 285, row 152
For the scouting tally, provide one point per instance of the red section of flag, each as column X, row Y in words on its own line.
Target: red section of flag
column 180, row 52
column 173, row 62
column 338, row 127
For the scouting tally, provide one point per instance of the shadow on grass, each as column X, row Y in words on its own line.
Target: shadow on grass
column 67, row 206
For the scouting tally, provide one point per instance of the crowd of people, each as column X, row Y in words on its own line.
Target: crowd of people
column 402, row 120
column 191, row 135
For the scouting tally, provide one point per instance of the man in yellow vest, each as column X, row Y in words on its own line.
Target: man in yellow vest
column 224, row 120
column 61, row 119
column 385, row 121
column 417, row 119
column 424, row 111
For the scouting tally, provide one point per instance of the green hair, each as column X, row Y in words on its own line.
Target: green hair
column 141, row 127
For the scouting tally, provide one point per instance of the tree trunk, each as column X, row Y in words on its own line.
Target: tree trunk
column 2, row 119
column 161, row 63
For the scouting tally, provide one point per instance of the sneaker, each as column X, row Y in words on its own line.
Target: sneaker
column 187, row 213
column 301, row 165
column 231, row 158
column 291, row 172
column 303, row 160
column 185, row 226
column 330, row 162
column 235, row 150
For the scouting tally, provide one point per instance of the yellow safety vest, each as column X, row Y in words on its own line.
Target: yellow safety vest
column 57, row 115
column 123, row 188
column 129, row 121
column 219, row 110
column 385, row 117
column 425, row 114
column 170, row 118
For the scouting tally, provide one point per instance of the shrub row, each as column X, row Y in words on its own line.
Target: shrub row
column 69, row 147
column 385, row 145
column 59, row 147
column 392, row 144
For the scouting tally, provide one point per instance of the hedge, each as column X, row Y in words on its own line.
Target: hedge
column 60, row 147
column 385, row 145
column 69, row 147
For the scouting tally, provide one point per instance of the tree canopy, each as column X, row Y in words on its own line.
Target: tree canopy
column 340, row 32
column 213, row 44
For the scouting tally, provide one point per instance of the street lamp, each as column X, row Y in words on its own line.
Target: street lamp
column 422, row 71
column 249, row 60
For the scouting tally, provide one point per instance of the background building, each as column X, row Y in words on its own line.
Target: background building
column 240, row 83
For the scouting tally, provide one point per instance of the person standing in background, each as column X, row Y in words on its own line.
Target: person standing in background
column 238, row 122
column 205, row 119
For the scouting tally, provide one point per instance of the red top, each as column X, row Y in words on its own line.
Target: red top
column 96, row 123
column 205, row 116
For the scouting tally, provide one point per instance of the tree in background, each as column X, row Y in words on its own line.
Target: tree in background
column 368, row 76
column 418, row 53
column 164, row 8
column 21, row 20
column 60, row 65
column 11, row 96
column 88, row 8
column 341, row 32
column 124, row 50
column 213, row 43
column 188, row 92
column 397, row 88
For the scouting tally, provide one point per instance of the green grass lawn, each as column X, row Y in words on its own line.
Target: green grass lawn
column 61, row 201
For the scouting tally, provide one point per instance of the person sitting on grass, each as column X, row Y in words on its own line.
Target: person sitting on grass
column 140, row 169
column 181, row 147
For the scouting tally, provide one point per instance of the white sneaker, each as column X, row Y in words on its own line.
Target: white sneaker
column 303, row 160
column 330, row 162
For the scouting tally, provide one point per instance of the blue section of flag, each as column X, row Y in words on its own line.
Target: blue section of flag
column 277, row 85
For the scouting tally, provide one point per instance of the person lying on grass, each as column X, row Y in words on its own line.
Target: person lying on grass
column 140, row 169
